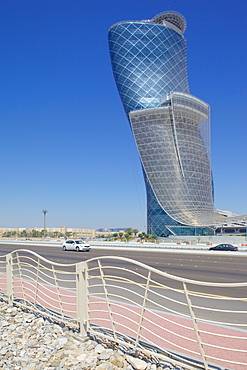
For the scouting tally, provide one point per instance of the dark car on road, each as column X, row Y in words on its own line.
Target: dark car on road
column 224, row 247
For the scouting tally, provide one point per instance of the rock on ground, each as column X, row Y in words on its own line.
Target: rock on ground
column 29, row 342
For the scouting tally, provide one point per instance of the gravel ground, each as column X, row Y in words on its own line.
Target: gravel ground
column 30, row 342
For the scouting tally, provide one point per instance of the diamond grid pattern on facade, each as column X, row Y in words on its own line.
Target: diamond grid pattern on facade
column 179, row 170
column 182, row 185
column 142, row 83
column 149, row 63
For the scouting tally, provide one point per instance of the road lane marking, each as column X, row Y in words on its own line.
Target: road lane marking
column 167, row 288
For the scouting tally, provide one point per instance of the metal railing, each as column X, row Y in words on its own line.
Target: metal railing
column 197, row 324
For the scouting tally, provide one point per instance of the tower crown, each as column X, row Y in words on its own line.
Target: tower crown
column 171, row 17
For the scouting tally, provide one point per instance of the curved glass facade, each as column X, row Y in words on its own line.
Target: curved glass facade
column 148, row 61
column 173, row 146
column 170, row 126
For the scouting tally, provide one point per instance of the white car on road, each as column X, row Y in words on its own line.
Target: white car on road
column 76, row 245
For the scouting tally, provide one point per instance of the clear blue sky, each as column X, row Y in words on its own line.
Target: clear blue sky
column 65, row 143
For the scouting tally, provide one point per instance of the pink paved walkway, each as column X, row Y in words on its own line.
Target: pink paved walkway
column 161, row 329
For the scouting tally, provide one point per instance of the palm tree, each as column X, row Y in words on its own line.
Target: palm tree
column 129, row 230
column 135, row 231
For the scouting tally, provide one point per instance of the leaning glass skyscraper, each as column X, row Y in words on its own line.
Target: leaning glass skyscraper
column 170, row 126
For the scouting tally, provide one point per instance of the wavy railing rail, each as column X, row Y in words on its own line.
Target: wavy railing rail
column 197, row 324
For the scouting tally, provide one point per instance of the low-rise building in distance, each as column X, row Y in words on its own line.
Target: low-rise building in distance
column 55, row 232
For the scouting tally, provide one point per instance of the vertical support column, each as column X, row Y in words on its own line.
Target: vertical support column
column 22, row 280
column 174, row 131
column 9, row 272
column 192, row 314
column 82, row 297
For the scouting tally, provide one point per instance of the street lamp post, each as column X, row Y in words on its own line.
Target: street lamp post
column 45, row 212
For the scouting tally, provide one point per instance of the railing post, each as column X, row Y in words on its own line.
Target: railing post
column 82, row 297
column 9, row 273
column 193, row 317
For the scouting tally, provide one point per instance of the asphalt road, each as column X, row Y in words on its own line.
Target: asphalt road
column 209, row 267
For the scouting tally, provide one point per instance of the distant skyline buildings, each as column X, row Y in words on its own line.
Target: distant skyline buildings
column 56, row 232
column 171, row 127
